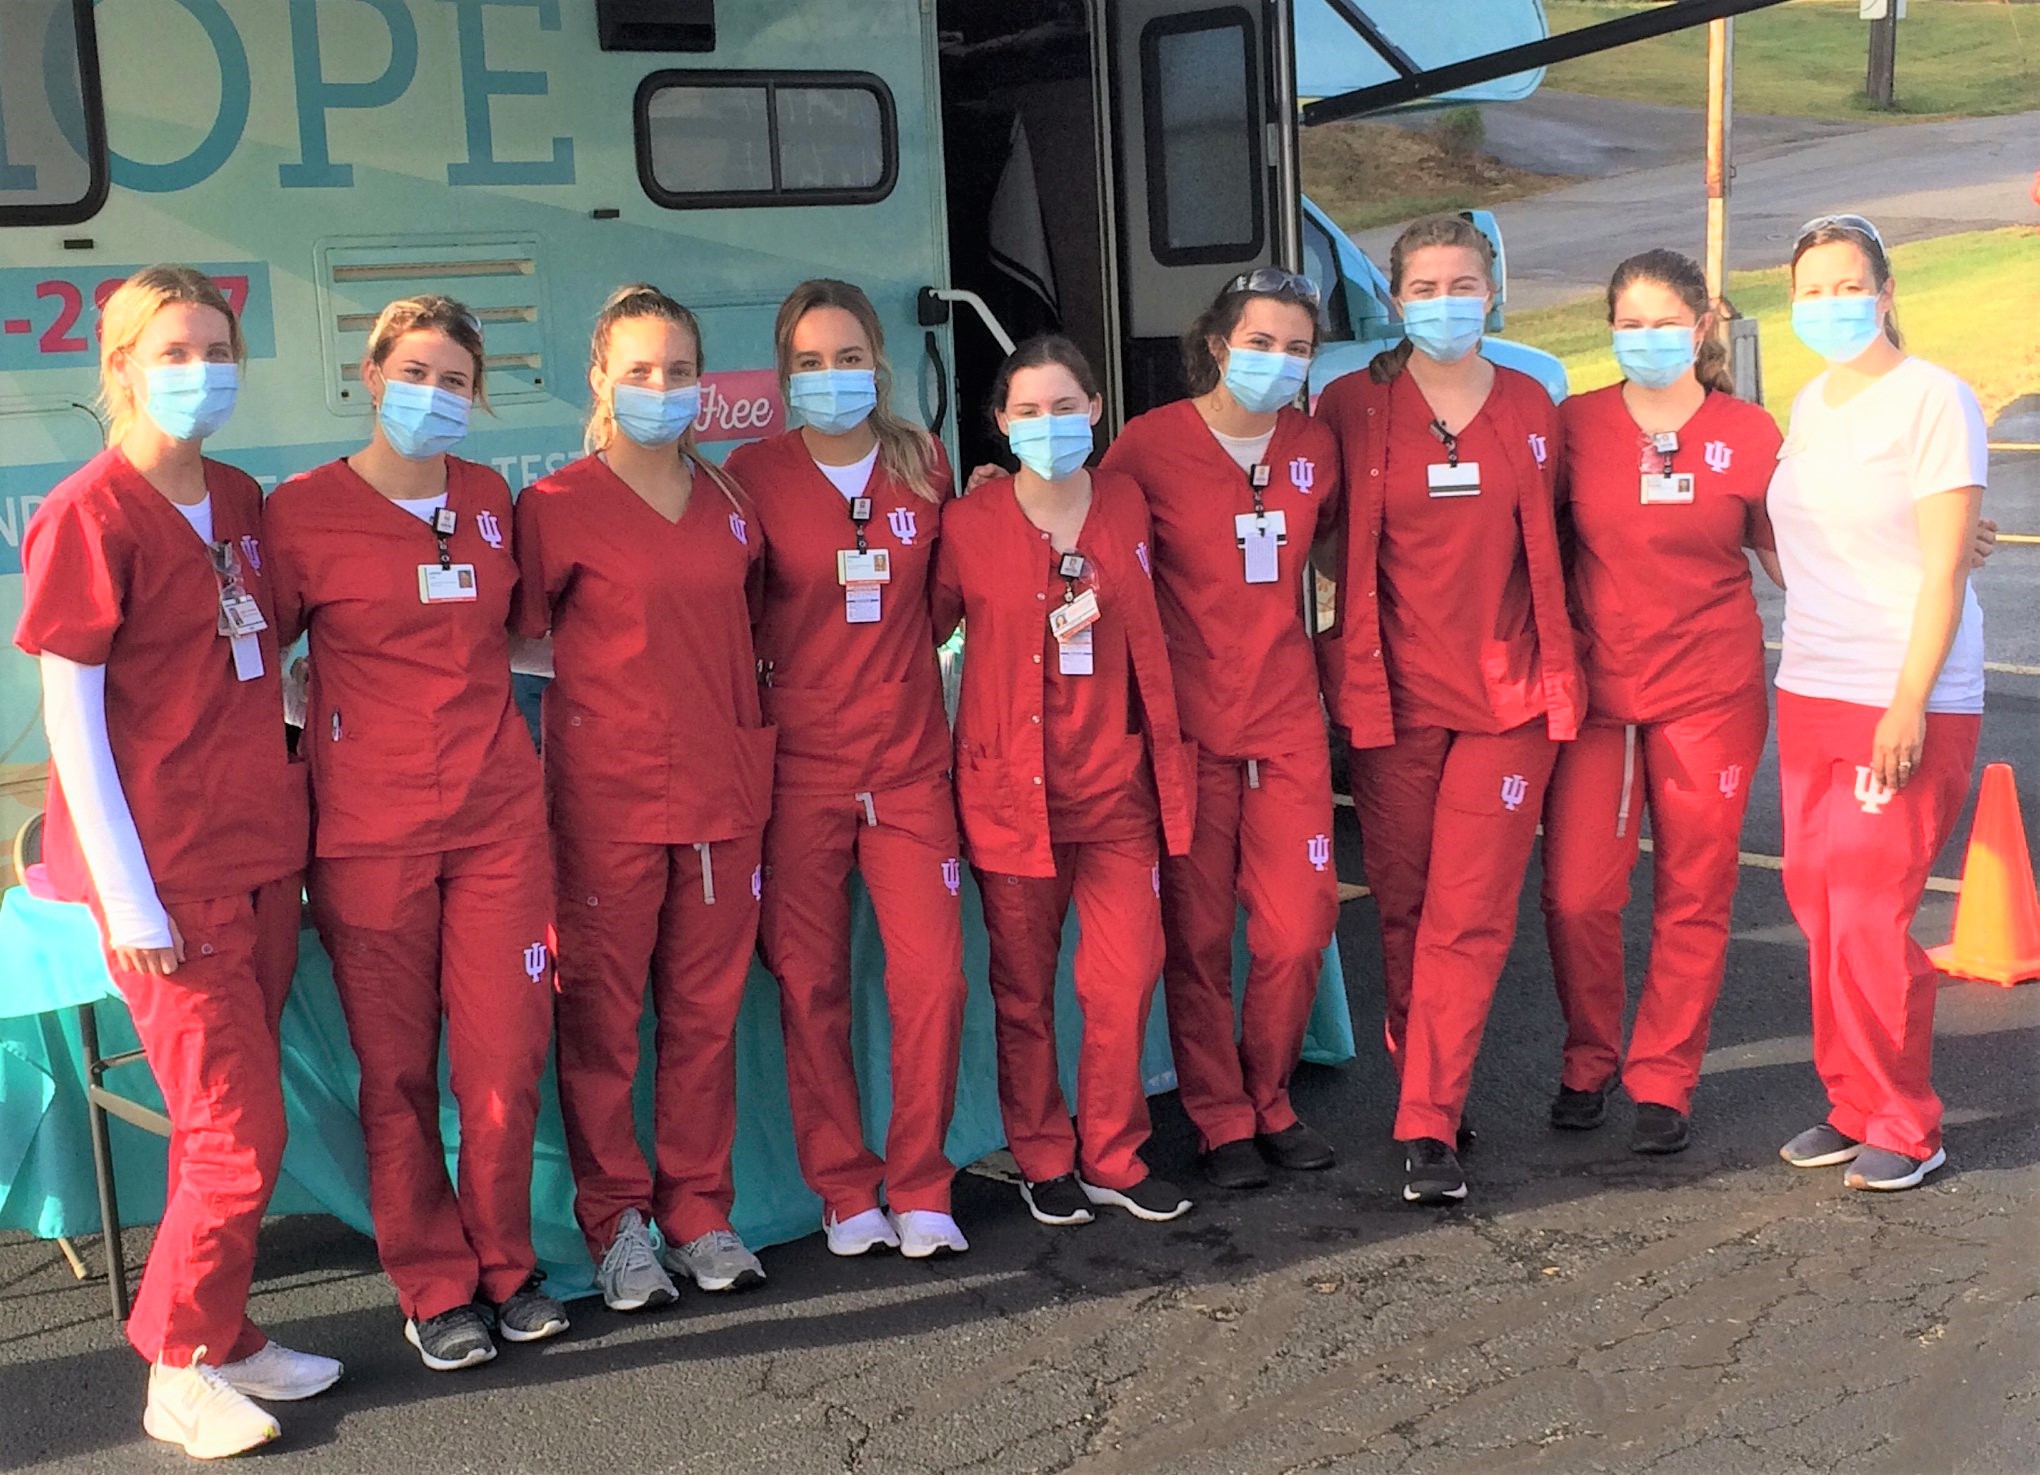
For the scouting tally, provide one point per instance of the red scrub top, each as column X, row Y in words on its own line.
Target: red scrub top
column 1668, row 621
column 113, row 576
column 1431, row 622
column 1099, row 784
column 858, row 707
column 414, row 744
column 652, row 728
column 992, row 571
column 1246, row 679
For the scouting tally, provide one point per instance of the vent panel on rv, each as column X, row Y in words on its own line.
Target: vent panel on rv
column 498, row 277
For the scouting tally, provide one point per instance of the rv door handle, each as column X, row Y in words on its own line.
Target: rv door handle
column 933, row 309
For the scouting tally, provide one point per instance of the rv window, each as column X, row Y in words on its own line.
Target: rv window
column 718, row 139
column 1203, row 143
column 1321, row 265
column 52, row 133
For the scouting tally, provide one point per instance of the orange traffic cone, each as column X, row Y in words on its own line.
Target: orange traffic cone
column 1997, row 917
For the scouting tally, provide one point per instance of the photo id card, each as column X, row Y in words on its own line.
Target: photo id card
column 1462, row 480
column 452, row 585
column 1672, row 489
column 1259, row 537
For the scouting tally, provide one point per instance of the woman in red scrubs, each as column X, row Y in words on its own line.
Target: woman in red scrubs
column 431, row 878
column 1240, row 485
column 174, row 811
column 850, row 503
column 1451, row 664
column 1072, row 777
column 1662, row 477
column 641, row 559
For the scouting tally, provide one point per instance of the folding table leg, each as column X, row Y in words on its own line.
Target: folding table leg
column 102, row 1162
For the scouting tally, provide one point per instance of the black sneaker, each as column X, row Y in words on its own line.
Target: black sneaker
column 1581, row 1111
column 451, row 1340
column 1820, row 1147
column 1465, row 1136
column 529, row 1315
column 1235, row 1165
column 1153, row 1199
column 1057, row 1201
column 1433, row 1173
column 1297, row 1148
column 1659, row 1129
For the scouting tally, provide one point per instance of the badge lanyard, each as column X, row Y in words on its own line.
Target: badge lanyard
column 1667, row 486
column 860, row 514
column 1449, row 441
column 443, row 520
column 1071, row 622
column 449, row 583
column 240, row 617
column 1454, row 478
column 1258, row 534
column 863, row 573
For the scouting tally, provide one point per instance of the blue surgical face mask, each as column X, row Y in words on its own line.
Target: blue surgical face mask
column 833, row 401
column 191, row 401
column 653, row 417
column 1260, row 382
column 1837, row 328
column 421, row 422
column 1445, row 328
column 1654, row 357
column 1053, row 447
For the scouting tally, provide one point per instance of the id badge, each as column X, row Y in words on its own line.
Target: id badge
column 1073, row 655
column 1067, row 621
column 247, row 657
column 1672, row 489
column 1462, row 480
column 861, row 603
column 240, row 615
column 453, row 585
column 1259, row 536
column 874, row 567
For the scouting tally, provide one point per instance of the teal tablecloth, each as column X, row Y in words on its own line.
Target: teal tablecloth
column 50, row 961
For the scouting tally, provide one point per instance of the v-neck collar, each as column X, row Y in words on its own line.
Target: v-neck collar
column 624, row 489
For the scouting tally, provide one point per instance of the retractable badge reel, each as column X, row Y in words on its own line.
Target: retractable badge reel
column 1071, row 621
column 1664, row 486
column 1455, row 478
column 862, row 571
column 445, row 582
column 1261, row 533
column 240, row 618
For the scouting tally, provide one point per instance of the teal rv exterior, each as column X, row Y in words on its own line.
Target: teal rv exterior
column 1101, row 165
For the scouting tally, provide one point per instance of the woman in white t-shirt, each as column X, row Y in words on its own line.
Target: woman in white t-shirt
column 1880, row 692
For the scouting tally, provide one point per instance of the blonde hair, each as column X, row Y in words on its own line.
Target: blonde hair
column 127, row 315
column 432, row 313
column 906, row 452
column 642, row 300
column 1427, row 230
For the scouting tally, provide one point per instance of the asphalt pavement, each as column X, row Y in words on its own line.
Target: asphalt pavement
column 1714, row 1313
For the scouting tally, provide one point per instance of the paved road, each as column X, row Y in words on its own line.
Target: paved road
column 1916, row 181
column 1712, row 1314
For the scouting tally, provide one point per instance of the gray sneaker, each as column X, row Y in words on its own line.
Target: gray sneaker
column 718, row 1261
column 630, row 1276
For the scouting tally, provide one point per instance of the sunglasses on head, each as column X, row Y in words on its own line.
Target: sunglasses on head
column 1275, row 279
column 1854, row 224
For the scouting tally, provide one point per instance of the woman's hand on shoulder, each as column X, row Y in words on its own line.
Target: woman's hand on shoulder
column 1984, row 544
column 979, row 475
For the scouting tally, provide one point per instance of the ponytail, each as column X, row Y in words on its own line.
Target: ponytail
column 1680, row 273
column 1444, row 229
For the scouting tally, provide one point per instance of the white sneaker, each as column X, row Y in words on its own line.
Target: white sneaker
column 281, row 1375
column 860, row 1233
column 198, row 1409
column 923, row 1233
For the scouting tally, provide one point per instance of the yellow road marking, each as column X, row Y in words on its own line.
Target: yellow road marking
column 2002, row 668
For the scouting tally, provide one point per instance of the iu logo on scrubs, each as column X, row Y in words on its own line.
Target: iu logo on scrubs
column 901, row 521
column 1319, row 849
column 490, row 529
column 251, row 552
column 1719, row 454
column 1538, row 448
column 1303, row 474
column 1871, row 791
column 757, row 882
column 1731, row 780
column 1156, row 876
column 535, row 957
column 738, row 530
column 952, row 875
column 1515, row 789
column 1140, row 555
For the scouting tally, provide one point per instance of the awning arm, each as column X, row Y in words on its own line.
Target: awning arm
column 1415, row 86
column 1398, row 60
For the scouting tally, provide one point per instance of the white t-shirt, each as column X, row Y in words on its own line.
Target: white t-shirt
column 198, row 514
column 1249, row 450
column 1841, row 503
column 851, row 480
column 421, row 508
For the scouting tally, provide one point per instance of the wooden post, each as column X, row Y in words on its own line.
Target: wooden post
column 1881, row 87
column 1720, row 123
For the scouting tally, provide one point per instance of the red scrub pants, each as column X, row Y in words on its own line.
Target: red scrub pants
column 1263, row 841
column 687, row 917
column 1857, row 859
column 1447, row 820
column 904, row 844
column 458, row 936
column 1116, row 886
column 1693, row 774
column 209, row 1032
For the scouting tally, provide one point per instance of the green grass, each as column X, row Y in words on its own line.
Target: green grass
column 1368, row 174
column 1806, row 59
column 1970, row 303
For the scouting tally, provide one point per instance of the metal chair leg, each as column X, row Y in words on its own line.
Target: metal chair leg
column 102, row 1163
